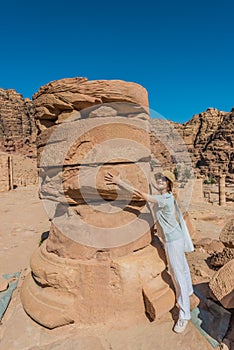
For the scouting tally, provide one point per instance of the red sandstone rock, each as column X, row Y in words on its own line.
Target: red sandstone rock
column 48, row 306
column 208, row 138
column 158, row 296
column 95, row 140
column 97, row 257
column 222, row 285
column 79, row 93
column 85, row 183
column 112, row 289
column 219, row 259
column 59, row 243
column 227, row 234
column 17, row 125
column 116, row 233
column 210, row 245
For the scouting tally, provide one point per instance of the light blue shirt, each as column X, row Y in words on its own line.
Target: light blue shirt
column 166, row 216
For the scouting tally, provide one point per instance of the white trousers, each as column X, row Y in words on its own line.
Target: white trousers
column 180, row 273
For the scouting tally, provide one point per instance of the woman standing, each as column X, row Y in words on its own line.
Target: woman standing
column 174, row 239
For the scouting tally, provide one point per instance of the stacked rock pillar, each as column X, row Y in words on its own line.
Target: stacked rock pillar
column 100, row 263
column 6, row 172
column 222, row 190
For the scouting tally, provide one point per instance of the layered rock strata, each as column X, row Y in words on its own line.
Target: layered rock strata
column 98, row 264
column 208, row 136
column 210, row 141
column 17, row 124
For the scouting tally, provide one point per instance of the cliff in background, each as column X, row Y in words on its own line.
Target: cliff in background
column 209, row 136
column 17, row 124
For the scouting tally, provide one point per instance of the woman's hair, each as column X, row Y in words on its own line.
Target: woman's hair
column 169, row 186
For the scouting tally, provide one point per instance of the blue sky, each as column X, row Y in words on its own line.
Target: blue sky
column 181, row 51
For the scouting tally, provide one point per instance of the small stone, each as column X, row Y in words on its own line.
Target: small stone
column 201, row 273
column 221, row 258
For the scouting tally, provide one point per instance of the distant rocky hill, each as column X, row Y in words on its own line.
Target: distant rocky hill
column 208, row 136
column 17, row 124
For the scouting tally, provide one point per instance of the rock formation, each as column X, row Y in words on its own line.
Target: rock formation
column 226, row 238
column 222, row 285
column 227, row 234
column 17, row 125
column 17, row 141
column 98, row 265
column 209, row 138
column 219, row 259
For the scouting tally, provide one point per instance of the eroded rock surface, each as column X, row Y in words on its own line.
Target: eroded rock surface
column 227, row 234
column 209, row 139
column 222, row 285
column 219, row 259
column 17, row 124
column 98, row 265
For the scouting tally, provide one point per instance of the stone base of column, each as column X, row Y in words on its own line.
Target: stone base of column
column 60, row 290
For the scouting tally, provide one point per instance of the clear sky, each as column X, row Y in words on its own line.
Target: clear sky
column 181, row 51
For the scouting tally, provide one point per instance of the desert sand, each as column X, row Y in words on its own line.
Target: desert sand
column 23, row 221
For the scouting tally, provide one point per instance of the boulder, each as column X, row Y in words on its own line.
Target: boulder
column 219, row 259
column 227, row 234
column 222, row 285
column 80, row 93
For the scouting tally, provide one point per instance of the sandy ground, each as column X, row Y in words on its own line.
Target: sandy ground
column 23, row 220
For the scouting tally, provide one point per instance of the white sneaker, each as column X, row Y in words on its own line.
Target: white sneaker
column 180, row 325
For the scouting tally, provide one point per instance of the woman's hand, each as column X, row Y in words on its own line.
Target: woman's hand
column 116, row 180
column 138, row 193
column 112, row 179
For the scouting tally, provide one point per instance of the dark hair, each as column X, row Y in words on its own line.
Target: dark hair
column 169, row 185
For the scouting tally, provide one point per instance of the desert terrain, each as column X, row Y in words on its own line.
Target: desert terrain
column 23, row 222
column 91, row 127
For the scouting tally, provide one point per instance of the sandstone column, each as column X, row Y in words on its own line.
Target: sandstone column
column 5, row 174
column 11, row 179
column 98, row 264
column 222, row 192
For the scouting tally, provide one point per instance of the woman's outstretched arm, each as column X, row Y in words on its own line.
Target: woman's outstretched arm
column 112, row 179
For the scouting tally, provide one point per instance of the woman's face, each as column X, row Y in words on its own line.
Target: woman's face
column 161, row 183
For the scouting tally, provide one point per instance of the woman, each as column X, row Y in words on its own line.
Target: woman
column 174, row 239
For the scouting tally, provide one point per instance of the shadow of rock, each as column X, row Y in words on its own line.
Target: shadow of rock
column 210, row 318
